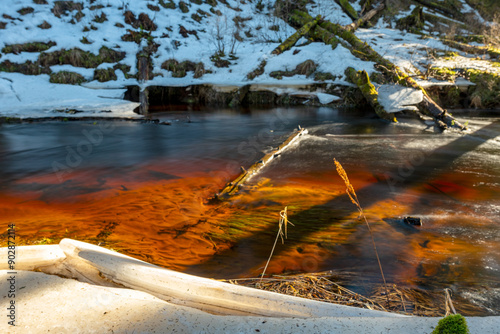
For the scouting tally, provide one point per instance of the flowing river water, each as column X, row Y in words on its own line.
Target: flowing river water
column 143, row 189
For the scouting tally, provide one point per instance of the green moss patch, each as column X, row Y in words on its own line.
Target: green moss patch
column 104, row 74
column 28, row 47
column 183, row 7
column 67, row 77
column 80, row 58
column 486, row 93
column 452, row 324
column 142, row 22
column 28, row 68
column 26, row 10
column 168, row 5
column 180, row 70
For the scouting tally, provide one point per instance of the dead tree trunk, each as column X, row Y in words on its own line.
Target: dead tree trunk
column 365, row 18
column 290, row 41
column 347, row 8
column 362, row 80
column 362, row 50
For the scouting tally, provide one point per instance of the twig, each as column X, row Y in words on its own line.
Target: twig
column 283, row 221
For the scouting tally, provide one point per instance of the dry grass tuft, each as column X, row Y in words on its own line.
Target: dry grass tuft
column 282, row 225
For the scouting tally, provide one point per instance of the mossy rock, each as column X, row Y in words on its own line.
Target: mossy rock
column 452, row 324
column 28, row 47
column 104, row 74
column 67, row 77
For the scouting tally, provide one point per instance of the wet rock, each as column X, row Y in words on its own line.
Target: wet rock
column 415, row 221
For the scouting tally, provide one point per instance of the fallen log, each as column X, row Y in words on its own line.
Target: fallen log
column 362, row 80
column 347, row 8
column 234, row 186
column 364, row 51
column 451, row 11
column 290, row 41
column 365, row 18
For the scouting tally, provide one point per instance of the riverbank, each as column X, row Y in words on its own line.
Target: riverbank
column 104, row 291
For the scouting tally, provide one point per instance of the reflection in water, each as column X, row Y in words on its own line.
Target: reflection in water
column 143, row 189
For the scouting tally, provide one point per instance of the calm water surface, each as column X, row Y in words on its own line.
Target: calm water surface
column 142, row 189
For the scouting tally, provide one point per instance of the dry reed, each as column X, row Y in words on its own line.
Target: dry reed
column 354, row 199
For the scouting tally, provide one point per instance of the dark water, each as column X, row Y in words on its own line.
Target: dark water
column 142, row 189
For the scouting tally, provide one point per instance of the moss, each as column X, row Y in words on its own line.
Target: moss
column 196, row 17
column 28, row 47
column 443, row 73
column 169, row 5
column 413, row 22
column 452, row 324
column 348, row 9
column 28, row 68
column 124, row 68
column 324, row 76
column 79, row 15
column 486, row 93
column 40, row 2
column 183, row 6
column 26, row 10
column 198, row 2
column 219, row 61
column 258, row 71
column 104, row 74
column 212, row 3
column 85, row 40
column 180, row 70
column 80, row 58
column 100, row 18
column 153, row 7
column 67, row 77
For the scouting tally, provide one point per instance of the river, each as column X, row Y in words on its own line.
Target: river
column 143, row 189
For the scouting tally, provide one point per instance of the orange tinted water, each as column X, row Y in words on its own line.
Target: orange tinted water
column 158, row 211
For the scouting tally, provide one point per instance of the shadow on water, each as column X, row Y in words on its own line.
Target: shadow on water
column 417, row 171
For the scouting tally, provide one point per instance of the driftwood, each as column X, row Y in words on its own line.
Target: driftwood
column 362, row 50
column 233, row 187
column 290, row 41
column 365, row 18
column 362, row 80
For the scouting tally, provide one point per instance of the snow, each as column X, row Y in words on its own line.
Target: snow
column 29, row 96
column 251, row 22
column 397, row 98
